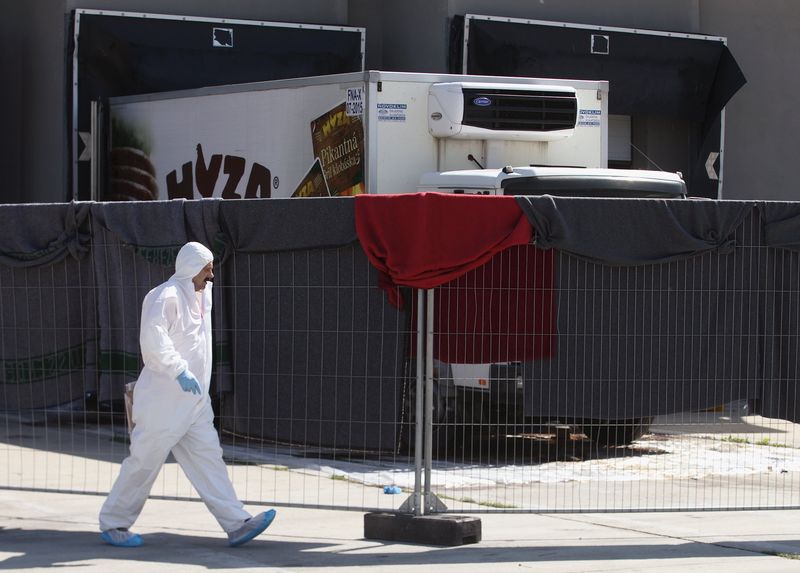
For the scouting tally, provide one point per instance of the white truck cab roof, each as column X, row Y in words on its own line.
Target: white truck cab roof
column 558, row 181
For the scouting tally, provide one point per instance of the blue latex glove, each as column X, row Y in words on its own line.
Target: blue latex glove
column 188, row 382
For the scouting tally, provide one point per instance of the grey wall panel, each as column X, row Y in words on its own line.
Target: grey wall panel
column 762, row 121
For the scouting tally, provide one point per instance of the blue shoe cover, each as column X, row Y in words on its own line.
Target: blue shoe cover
column 121, row 538
column 251, row 528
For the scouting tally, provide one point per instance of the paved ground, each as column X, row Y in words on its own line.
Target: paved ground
column 40, row 530
column 47, row 530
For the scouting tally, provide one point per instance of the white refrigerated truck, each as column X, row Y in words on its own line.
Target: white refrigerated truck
column 367, row 132
column 373, row 132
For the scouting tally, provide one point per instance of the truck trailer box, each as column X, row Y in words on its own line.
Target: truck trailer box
column 344, row 134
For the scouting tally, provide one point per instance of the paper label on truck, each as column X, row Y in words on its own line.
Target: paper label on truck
column 354, row 104
column 589, row 117
column 392, row 112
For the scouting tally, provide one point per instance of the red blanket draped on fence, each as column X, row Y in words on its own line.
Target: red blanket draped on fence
column 502, row 311
column 426, row 239
column 497, row 304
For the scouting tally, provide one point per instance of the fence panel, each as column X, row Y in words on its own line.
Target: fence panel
column 558, row 383
column 651, row 387
column 310, row 373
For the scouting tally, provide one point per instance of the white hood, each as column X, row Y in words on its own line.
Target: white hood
column 190, row 260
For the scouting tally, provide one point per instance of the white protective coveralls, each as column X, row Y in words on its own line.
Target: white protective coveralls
column 175, row 336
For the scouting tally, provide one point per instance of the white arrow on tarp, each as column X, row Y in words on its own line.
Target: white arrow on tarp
column 712, row 158
column 86, row 154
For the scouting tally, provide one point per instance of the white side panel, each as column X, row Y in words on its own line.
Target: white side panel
column 471, row 375
column 517, row 153
column 270, row 128
column 267, row 129
column 403, row 146
column 588, row 146
column 455, row 154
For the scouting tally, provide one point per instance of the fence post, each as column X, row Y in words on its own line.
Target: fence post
column 428, row 418
column 416, row 524
column 432, row 503
column 422, row 501
column 418, row 427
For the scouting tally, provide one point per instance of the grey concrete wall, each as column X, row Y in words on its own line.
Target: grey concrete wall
column 12, row 52
column 44, row 105
column 762, row 121
column 673, row 15
column 407, row 36
column 362, row 13
column 413, row 35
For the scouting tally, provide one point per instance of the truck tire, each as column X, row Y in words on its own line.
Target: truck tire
column 445, row 425
column 468, row 438
column 613, row 433
column 460, row 420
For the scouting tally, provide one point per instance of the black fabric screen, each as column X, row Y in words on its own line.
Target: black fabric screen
column 655, row 75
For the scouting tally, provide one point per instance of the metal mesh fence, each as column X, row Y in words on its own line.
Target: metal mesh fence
column 557, row 384
column 309, row 375
column 653, row 387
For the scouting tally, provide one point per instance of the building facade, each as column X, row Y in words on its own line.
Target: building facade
column 760, row 120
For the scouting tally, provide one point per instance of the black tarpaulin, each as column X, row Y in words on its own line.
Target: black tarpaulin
column 668, row 306
column 47, row 318
column 317, row 223
column 634, row 231
column 650, row 74
column 45, row 235
column 129, row 55
column 781, row 225
column 699, row 308
column 662, row 308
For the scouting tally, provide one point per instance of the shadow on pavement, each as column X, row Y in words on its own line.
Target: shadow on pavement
column 40, row 548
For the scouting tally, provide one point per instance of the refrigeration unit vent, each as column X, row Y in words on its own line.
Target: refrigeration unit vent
column 502, row 111
column 520, row 111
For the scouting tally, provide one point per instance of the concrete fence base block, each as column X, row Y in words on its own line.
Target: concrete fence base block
column 438, row 529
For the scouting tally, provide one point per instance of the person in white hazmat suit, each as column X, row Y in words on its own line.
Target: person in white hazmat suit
column 172, row 408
